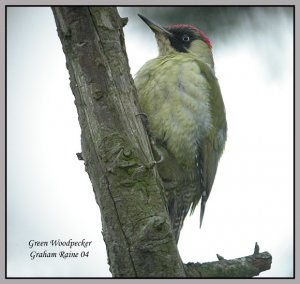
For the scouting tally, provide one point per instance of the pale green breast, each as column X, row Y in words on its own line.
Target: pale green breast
column 175, row 96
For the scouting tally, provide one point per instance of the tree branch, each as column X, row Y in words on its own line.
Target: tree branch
column 243, row 267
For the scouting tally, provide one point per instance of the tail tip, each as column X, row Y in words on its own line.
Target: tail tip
column 202, row 212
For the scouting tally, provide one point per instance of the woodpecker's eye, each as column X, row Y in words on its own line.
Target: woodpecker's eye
column 185, row 38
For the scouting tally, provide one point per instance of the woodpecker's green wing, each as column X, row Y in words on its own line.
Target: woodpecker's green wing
column 211, row 148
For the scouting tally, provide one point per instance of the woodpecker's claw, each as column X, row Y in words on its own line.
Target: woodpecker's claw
column 160, row 160
column 153, row 163
column 157, row 150
column 141, row 113
column 144, row 119
column 145, row 122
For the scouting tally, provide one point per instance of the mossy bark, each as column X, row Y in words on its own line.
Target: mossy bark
column 117, row 153
column 243, row 267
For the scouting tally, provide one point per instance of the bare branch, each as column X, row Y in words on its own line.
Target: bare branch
column 243, row 267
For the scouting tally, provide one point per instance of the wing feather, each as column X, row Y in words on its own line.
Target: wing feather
column 210, row 148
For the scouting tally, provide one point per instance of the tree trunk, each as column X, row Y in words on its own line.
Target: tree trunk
column 116, row 148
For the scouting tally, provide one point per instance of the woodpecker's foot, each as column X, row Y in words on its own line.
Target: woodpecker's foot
column 157, row 151
column 148, row 166
column 142, row 113
column 153, row 163
column 160, row 160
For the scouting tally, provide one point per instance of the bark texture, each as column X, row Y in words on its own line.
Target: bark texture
column 243, row 267
column 116, row 149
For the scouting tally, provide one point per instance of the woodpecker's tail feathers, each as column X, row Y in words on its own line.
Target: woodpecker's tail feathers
column 203, row 202
column 202, row 212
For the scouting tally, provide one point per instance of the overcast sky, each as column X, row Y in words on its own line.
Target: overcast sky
column 50, row 196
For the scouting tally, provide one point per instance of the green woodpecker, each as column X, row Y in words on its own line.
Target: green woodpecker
column 180, row 95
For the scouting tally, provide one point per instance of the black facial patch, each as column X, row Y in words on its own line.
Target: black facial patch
column 182, row 38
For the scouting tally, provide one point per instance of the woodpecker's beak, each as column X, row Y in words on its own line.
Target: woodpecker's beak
column 153, row 26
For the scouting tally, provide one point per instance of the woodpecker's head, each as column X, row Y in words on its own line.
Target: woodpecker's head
column 181, row 38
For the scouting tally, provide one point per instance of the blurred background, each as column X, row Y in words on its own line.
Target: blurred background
column 49, row 195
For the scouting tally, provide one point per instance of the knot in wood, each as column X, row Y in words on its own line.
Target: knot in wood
column 127, row 152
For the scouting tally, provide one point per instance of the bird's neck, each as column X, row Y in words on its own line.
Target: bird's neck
column 201, row 51
column 164, row 45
